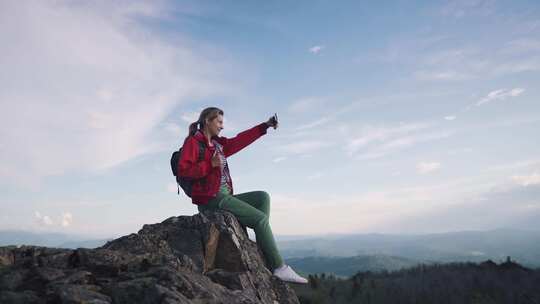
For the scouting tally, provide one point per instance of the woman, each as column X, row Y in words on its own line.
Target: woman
column 213, row 189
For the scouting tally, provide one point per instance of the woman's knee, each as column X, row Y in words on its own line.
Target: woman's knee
column 264, row 197
column 262, row 221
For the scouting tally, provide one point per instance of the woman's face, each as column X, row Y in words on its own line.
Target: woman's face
column 215, row 125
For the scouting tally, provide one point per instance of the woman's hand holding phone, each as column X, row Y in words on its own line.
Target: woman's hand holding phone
column 273, row 121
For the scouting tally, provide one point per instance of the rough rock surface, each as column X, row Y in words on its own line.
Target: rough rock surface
column 205, row 258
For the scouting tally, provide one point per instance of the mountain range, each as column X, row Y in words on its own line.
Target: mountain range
column 392, row 250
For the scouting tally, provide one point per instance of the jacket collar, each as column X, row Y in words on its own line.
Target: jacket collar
column 199, row 135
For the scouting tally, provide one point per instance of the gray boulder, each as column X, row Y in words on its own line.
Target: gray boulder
column 205, row 258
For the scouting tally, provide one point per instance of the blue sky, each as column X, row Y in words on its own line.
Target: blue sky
column 396, row 117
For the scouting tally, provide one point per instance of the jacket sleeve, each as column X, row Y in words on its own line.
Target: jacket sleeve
column 188, row 166
column 242, row 139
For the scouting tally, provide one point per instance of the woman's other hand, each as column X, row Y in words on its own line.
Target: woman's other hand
column 216, row 160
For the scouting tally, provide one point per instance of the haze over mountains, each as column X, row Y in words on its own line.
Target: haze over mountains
column 59, row 240
column 403, row 250
column 522, row 245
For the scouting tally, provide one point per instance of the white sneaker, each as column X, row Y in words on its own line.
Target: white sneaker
column 286, row 273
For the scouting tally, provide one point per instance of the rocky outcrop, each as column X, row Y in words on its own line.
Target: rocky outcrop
column 205, row 258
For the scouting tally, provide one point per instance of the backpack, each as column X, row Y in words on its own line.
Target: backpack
column 185, row 183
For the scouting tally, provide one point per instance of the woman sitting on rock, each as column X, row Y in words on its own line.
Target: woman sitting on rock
column 213, row 188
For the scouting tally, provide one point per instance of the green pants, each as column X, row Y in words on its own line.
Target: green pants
column 252, row 209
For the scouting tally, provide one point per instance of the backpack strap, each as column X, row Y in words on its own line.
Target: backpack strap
column 201, row 151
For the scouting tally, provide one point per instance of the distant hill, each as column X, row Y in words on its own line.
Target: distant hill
column 58, row 240
column 474, row 246
column 347, row 266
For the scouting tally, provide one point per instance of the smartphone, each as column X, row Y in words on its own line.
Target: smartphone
column 275, row 120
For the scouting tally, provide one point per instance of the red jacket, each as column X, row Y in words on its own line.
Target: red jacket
column 207, row 178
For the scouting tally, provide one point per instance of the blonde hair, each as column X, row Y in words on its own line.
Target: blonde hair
column 206, row 114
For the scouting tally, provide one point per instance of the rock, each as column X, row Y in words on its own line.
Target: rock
column 205, row 258
column 27, row 297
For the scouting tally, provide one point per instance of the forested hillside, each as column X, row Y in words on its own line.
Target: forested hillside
column 454, row 283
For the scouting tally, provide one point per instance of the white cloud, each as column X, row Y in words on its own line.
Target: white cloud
column 468, row 8
column 522, row 45
column 173, row 128
column 67, row 219
column 90, row 84
column 366, row 211
column 527, row 180
column 313, row 124
column 441, row 75
column 44, row 220
column 369, row 134
column 190, row 117
column 279, row 159
column 472, row 62
column 314, row 176
column 450, row 117
column 363, row 213
column 316, row 49
column 527, row 163
column 427, row 167
column 378, row 141
column 459, row 151
column 301, row 147
column 500, row 95
column 306, row 104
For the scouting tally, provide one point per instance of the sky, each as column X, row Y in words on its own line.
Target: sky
column 395, row 117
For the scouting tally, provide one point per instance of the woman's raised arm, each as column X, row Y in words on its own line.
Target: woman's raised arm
column 242, row 139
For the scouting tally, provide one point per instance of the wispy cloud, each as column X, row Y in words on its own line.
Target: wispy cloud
column 369, row 134
column 371, row 211
column 442, row 75
column 316, row 49
column 306, row 104
column 314, row 176
column 279, row 159
column 527, row 163
column 94, row 103
column 44, row 220
column 427, row 167
column 450, row 117
column 459, row 151
column 190, row 117
column 468, row 8
column 67, row 219
column 522, row 45
column 301, row 147
column 375, row 142
column 500, row 95
column 472, row 61
column 527, row 180
column 479, row 211
column 313, row 124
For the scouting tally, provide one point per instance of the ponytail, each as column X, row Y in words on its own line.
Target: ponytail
column 193, row 128
column 206, row 114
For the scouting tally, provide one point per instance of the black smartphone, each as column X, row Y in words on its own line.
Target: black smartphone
column 275, row 120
